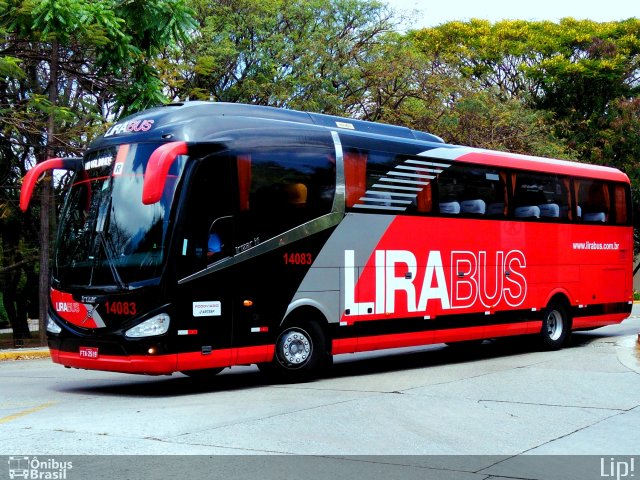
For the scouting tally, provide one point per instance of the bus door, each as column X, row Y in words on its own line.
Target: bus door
column 205, row 284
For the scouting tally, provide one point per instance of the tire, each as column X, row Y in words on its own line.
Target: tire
column 300, row 353
column 203, row 374
column 556, row 326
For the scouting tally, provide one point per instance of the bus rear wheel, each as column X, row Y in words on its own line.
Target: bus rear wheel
column 299, row 354
column 556, row 326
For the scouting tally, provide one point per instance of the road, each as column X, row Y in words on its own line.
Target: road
column 499, row 405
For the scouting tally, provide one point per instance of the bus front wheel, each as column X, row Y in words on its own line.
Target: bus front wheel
column 556, row 326
column 299, row 352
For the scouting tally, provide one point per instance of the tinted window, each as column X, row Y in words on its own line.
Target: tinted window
column 541, row 196
column 283, row 188
column 601, row 202
column 472, row 191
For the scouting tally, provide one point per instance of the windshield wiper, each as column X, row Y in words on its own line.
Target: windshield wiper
column 107, row 246
column 111, row 258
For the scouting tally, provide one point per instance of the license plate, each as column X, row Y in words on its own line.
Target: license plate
column 88, row 352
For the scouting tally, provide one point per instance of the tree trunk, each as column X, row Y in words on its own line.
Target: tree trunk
column 45, row 234
column 47, row 202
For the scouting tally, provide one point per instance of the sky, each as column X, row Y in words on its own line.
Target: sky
column 435, row 12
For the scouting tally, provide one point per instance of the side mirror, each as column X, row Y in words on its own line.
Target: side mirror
column 158, row 167
column 32, row 176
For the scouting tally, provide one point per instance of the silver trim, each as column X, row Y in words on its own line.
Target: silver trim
column 396, row 187
column 412, row 175
column 399, row 180
column 420, row 169
column 379, row 207
column 314, row 226
column 340, row 195
column 385, row 200
column 428, row 164
column 448, row 153
column 394, row 194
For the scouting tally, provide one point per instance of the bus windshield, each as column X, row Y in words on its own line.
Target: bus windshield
column 107, row 236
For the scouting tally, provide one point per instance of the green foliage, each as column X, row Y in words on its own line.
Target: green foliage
column 299, row 54
column 10, row 67
column 483, row 119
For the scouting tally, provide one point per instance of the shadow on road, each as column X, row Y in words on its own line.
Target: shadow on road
column 370, row 363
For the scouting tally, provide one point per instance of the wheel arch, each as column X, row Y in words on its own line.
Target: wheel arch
column 307, row 308
column 561, row 295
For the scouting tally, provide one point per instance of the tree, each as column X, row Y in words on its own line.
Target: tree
column 297, row 54
column 65, row 67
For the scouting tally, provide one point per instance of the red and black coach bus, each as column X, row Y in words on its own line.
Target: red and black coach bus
column 199, row 236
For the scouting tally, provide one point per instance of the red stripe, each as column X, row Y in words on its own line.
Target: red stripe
column 599, row 320
column 166, row 364
column 399, row 340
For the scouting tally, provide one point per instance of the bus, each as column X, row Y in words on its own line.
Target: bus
column 201, row 235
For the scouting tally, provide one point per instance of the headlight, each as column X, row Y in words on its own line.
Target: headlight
column 52, row 327
column 154, row 326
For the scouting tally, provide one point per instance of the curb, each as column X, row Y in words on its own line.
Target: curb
column 26, row 354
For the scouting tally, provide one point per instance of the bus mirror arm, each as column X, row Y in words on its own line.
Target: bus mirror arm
column 157, row 171
column 33, row 175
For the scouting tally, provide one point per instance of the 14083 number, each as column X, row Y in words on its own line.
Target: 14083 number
column 121, row 308
column 298, row 259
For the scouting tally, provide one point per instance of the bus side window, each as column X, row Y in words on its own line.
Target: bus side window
column 541, row 196
column 495, row 193
column 207, row 217
column 449, row 191
column 281, row 188
column 593, row 200
column 621, row 204
column 472, row 191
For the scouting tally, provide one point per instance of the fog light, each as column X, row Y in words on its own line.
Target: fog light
column 157, row 325
column 52, row 327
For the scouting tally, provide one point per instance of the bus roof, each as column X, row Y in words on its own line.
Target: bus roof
column 176, row 115
column 196, row 121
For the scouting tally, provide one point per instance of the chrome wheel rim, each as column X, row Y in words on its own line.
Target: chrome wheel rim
column 295, row 348
column 555, row 325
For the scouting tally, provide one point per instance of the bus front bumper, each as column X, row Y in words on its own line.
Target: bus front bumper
column 165, row 364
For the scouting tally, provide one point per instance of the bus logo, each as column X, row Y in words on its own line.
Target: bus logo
column 398, row 284
column 132, row 126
